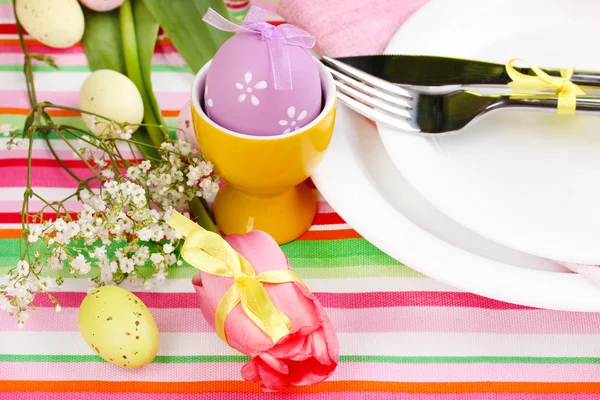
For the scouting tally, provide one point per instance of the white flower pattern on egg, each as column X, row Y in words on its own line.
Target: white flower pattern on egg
column 291, row 123
column 248, row 89
column 209, row 101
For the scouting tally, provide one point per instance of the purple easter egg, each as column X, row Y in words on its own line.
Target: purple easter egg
column 240, row 95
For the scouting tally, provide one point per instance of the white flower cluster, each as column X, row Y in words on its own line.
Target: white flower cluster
column 10, row 130
column 17, row 293
column 121, row 232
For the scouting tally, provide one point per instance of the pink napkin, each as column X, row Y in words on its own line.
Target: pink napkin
column 349, row 27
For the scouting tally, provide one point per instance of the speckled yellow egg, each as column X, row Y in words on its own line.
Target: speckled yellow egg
column 112, row 95
column 118, row 327
column 55, row 23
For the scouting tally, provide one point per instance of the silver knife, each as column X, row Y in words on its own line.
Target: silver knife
column 434, row 71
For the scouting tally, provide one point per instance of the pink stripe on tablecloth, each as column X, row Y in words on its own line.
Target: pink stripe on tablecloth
column 397, row 319
column 36, row 205
column 290, row 396
column 65, row 59
column 389, row 372
column 16, row 154
column 42, row 177
column 324, row 208
column 41, row 49
column 329, row 300
column 6, row 12
column 19, row 99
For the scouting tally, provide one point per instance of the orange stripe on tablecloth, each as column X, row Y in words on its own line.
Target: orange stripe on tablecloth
column 10, row 233
column 67, row 113
column 332, row 386
column 330, row 235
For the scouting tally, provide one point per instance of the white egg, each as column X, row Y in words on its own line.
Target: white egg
column 111, row 95
column 55, row 23
column 102, row 5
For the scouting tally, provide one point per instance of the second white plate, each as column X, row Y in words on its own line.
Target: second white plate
column 360, row 182
column 530, row 181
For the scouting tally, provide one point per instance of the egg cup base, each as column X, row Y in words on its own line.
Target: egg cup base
column 285, row 216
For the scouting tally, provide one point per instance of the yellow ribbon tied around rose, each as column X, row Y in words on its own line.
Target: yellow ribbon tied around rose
column 210, row 253
column 565, row 90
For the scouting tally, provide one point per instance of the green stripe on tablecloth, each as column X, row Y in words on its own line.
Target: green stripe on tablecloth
column 83, row 68
column 335, row 262
column 368, row 359
column 356, row 248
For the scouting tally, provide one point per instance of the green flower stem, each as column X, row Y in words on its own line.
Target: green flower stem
column 202, row 217
column 132, row 63
column 62, row 164
column 68, row 142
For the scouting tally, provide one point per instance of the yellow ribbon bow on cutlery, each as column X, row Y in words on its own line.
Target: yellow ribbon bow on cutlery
column 210, row 253
column 565, row 90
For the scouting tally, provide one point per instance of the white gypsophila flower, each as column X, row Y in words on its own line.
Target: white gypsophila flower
column 5, row 303
column 126, row 265
column 168, row 248
column 108, row 173
column 170, row 259
column 23, row 268
column 34, row 233
column 7, row 129
column 156, row 258
column 209, row 188
column 160, row 276
column 46, row 283
column 134, row 172
column 80, row 265
column 53, row 263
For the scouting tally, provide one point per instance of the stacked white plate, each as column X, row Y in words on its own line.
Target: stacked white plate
column 489, row 208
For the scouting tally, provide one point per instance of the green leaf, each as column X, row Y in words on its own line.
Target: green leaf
column 101, row 41
column 146, row 31
column 134, row 69
column 182, row 21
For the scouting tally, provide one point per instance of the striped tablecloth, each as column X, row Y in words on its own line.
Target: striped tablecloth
column 402, row 335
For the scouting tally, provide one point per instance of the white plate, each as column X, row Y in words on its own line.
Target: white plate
column 361, row 183
column 530, row 181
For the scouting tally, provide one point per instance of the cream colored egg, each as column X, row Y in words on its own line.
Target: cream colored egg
column 118, row 327
column 55, row 23
column 111, row 95
column 102, row 5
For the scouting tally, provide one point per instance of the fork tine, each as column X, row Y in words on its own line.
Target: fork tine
column 374, row 114
column 390, row 98
column 372, row 101
column 356, row 73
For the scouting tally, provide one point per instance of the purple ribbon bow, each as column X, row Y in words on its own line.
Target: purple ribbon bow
column 277, row 37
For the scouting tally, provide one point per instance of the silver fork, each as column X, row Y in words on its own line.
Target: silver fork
column 413, row 111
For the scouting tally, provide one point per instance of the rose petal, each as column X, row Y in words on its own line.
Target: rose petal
column 319, row 347
column 271, row 379
column 250, row 372
column 275, row 363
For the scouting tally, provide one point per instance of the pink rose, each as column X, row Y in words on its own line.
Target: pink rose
column 307, row 355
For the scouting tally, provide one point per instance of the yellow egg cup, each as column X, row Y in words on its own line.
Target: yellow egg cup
column 265, row 175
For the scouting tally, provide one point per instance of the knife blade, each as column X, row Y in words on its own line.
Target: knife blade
column 427, row 70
